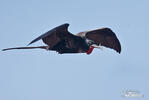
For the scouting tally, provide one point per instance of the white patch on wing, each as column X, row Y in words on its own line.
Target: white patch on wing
column 81, row 34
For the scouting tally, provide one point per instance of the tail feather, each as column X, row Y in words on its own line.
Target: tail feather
column 41, row 47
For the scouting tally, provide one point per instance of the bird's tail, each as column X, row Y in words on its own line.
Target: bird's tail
column 41, row 47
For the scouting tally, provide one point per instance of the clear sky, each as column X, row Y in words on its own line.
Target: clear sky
column 46, row 75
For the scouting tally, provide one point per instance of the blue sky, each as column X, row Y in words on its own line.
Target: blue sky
column 46, row 75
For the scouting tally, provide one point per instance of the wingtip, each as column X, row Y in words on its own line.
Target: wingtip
column 66, row 24
column 119, row 51
column 28, row 44
column 3, row 49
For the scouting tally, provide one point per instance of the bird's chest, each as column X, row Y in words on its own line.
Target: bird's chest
column 77, row 44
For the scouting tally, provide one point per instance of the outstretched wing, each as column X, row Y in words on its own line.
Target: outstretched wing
column 105, row 37
column 54, row 36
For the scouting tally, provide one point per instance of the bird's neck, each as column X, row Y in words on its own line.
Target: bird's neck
column 90, row 50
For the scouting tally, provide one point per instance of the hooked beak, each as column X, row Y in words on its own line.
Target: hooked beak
column 97, row 46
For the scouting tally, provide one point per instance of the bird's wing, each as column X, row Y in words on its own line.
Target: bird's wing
column 41, row 47
column 52, row 37
column 105, row 37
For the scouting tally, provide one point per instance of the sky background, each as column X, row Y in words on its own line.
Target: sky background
column 46, row 75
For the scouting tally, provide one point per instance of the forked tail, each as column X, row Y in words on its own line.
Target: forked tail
column 41, row 47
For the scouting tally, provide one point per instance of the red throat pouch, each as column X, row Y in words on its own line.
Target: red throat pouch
column 90, row 50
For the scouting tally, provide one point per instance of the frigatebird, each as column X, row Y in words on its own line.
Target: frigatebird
column 59, row 39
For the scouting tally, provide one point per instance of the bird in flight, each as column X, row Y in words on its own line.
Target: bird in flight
column 59, row 39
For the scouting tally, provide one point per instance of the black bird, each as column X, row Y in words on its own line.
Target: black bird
column 61, row 40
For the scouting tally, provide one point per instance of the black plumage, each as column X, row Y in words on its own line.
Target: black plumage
column 61, row 40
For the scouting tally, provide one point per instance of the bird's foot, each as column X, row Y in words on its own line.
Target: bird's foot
column 100, row 47
column 47, row 48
